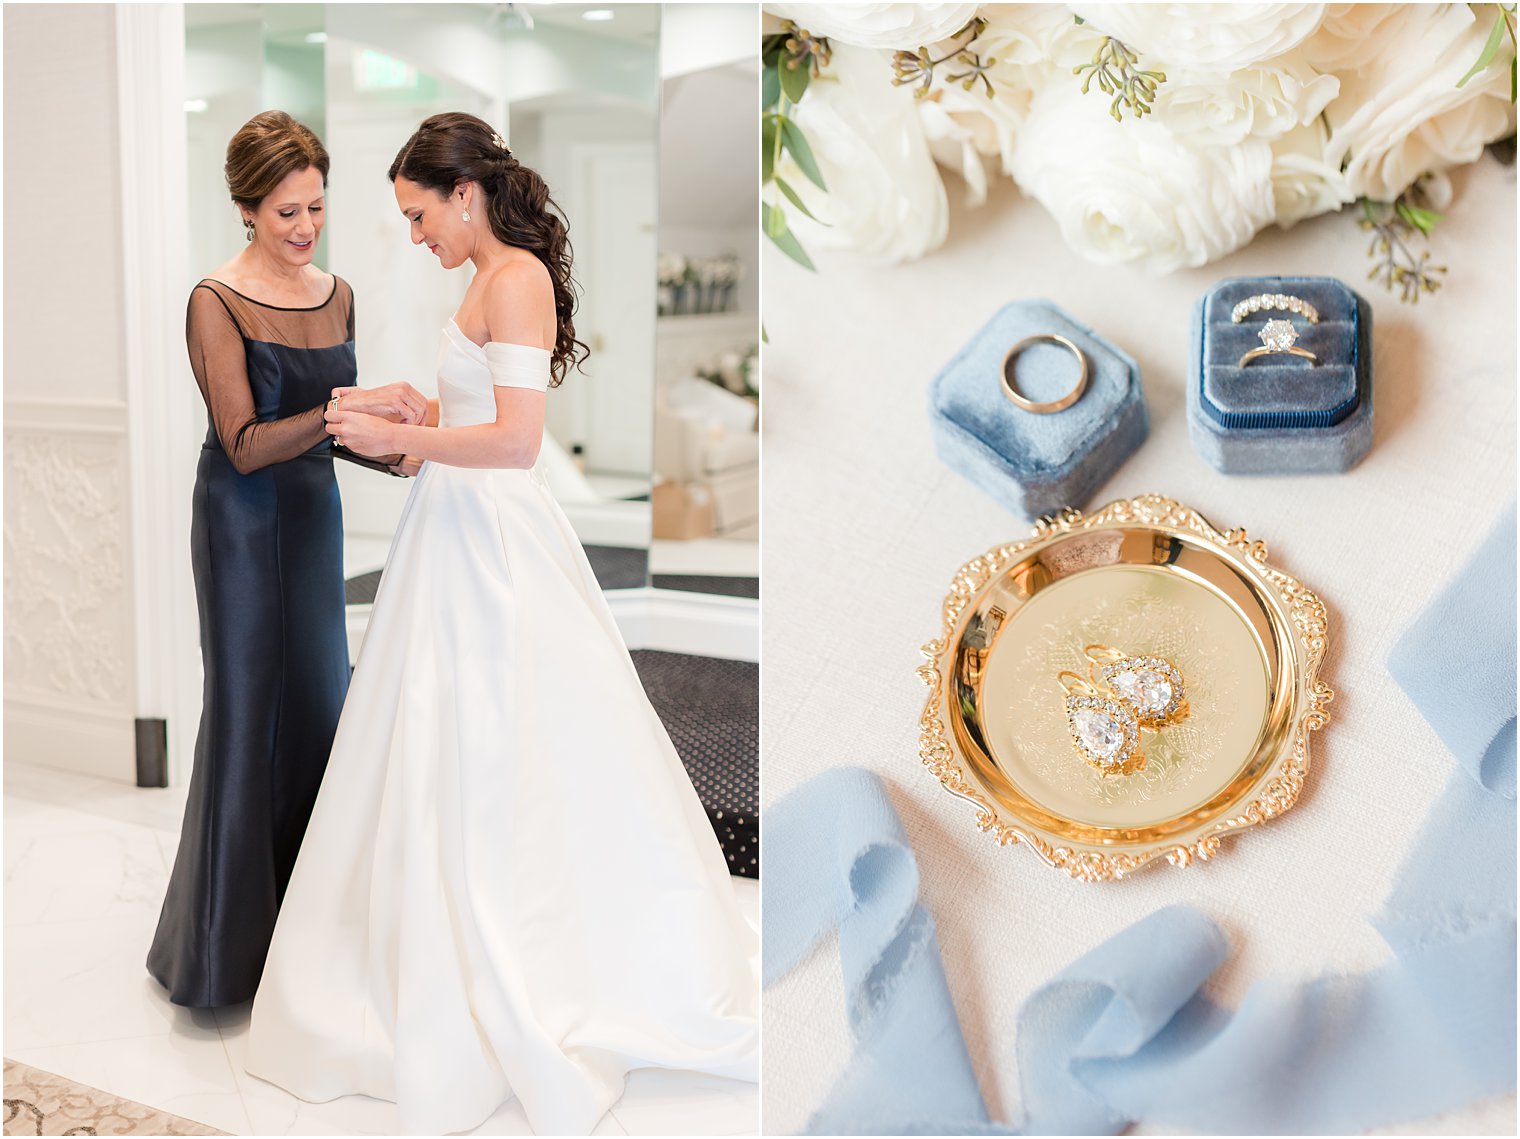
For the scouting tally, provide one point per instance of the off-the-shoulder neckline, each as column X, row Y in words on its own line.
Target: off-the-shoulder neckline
column 481, row 348
column 277, row 308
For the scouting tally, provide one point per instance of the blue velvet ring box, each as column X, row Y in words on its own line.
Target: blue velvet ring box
column 1281, row 414
column 1035, row 463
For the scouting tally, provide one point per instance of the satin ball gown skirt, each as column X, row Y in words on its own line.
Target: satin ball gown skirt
column 508, row 886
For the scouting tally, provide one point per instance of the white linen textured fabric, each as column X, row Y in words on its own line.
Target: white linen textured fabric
column 864, row 528
column 508, row 885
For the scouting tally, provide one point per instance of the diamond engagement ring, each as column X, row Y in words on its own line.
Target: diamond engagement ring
column 1278, row 338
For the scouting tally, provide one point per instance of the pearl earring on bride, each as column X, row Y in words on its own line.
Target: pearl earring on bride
column 464, row 215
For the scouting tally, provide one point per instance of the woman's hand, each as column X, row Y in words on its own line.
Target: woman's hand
column 399, row 403
column 408, row 466
column 359, row 432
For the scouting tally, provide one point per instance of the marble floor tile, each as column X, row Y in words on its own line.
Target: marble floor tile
column 74, row 982
column 86, row 863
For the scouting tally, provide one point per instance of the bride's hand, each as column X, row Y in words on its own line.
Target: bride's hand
column 359, row 432
column 400, row 403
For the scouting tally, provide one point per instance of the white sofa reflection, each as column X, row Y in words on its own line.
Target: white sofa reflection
column 707, row 443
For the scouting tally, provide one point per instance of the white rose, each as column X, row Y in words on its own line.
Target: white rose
column 1305, row 183
column 1028, row 46
column 906, row 26
column 1222, row 108
column 1351, row 35
column 1135, row 192
column 1402, row 114
column 953, row 142
column 1205, row 37
column 885, row 197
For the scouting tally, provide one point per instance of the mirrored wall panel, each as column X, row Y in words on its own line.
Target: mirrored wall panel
column 707, row 398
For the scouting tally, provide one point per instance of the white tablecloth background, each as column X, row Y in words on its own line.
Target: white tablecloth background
column 863, row 527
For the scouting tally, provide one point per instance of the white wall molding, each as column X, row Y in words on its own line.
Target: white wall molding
column 67, row 738
column 703, row 624
column 162, row 433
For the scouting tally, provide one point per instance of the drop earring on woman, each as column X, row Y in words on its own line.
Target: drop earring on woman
column 248, row 226
column 464, row 215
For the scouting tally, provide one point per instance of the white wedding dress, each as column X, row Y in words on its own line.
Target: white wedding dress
column 508, row 885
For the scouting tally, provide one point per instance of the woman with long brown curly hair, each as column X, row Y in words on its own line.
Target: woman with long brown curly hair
column 454, row 932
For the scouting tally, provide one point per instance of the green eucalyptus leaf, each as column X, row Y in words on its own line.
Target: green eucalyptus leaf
column 793, row 140
column 785, row 240
column 1421, row 218
column 1490, row 49
column 767, row 149
column 794, row 80
column 791, row 196
column 770, row 87
column 772, row 220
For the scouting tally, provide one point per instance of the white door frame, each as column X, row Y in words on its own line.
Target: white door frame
column 162, row 435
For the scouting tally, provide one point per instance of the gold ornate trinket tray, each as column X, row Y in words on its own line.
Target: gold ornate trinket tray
column 1152, row 580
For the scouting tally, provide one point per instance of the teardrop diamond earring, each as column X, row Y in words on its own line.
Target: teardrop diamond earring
column 464, row 215
column 1105, row 733
column 1150, row 686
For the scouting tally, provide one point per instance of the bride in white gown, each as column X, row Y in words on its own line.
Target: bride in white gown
column 508, row 886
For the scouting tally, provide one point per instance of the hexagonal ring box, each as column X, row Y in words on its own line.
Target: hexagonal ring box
column 1034, row 463
column 1280, row 412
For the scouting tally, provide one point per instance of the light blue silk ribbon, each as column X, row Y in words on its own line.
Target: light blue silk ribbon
column 1125, row 1035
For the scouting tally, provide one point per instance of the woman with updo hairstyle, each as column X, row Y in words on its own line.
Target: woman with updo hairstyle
column 508, row 885
column 269, row 335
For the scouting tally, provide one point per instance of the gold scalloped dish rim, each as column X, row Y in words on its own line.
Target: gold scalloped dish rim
column 1276, row 794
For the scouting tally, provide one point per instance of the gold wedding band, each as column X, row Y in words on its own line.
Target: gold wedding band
column 1258, row 353
column 1010, row 385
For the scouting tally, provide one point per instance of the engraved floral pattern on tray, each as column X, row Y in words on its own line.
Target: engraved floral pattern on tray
column 1139, row 624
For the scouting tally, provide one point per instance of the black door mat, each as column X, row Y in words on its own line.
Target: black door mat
column 711, row 707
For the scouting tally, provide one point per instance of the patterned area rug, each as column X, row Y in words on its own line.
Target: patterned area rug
column 40, row 1103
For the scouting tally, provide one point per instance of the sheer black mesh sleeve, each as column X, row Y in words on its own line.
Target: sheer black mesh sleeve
column 221, row 369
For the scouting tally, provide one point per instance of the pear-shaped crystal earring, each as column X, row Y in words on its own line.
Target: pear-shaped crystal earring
column 464, row 215
column 1151, row 687
column 1105, row 732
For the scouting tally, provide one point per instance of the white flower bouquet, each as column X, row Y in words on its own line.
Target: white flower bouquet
column 1158, row 135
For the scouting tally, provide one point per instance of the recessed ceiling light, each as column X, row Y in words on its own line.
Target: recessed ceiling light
column 597, row 14
column 316, row 37
column 195, row 106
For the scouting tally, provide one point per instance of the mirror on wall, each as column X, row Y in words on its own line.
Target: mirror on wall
column 578, row 100
column 706, row 496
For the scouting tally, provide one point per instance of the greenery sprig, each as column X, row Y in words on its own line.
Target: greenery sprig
column 918, row 67
column 1393, row 226
column 1113, row 65
column 1504, row 23
column 790, row 60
